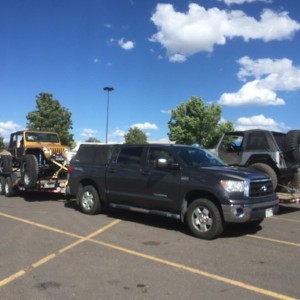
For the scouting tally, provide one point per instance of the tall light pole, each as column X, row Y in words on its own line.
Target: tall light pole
column 108, row 89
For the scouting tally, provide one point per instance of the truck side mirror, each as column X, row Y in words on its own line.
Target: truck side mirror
column 162, row 163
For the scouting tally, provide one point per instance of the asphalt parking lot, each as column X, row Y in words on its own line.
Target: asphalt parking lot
column 49, row 250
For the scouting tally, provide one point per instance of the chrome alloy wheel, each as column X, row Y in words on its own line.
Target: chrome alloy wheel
column 87, row 200
column 202, row 219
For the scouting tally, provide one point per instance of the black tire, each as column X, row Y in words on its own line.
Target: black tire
column 2, row 185
column 204, row 219
column 9, row 190
column 88, row 199
column 295, row 182
column 292, row 145
column 29, row 171
column 267, row 170
column 5, row 164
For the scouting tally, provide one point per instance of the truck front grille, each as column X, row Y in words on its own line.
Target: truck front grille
column 260, row 188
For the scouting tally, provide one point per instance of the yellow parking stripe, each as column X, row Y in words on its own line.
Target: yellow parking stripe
column 40, row 225
column 53, row 255
column 274, row 240
column 139, row 254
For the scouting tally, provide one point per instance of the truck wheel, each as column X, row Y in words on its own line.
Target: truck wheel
column 2, row 185
column 88, row 200
column 9, row 190
column 29, row 171
column 267, row 170
column 204, row 219
column 5, row 164
column 292, row 145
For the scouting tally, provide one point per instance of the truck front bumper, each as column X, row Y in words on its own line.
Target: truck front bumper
column 242, row 213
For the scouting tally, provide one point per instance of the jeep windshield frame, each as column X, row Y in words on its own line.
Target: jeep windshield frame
column 41, row 137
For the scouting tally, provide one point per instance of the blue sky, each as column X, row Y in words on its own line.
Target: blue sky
column 241, row 54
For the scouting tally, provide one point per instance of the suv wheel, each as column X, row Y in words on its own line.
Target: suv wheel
column 88, row 200
column 29, row 171
column 267, row 170
column 204, row 219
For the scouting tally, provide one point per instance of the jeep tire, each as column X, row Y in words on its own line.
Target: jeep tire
column 29, row 171
column 204, row 219
column 5, row 164
column 292, row 146
column 267, row 170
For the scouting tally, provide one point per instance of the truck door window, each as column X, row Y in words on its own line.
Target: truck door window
column 130, row 156
column 154, row 154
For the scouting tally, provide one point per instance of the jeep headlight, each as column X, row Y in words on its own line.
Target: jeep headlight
column 233, row 186
column 47, row 151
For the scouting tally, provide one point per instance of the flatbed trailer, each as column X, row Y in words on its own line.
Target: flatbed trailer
column 289, row 198
column 11, row 183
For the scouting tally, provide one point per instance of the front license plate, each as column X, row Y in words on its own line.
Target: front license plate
column 269, row 212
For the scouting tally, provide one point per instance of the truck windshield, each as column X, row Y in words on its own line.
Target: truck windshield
column 196, row 157
column 41, row 137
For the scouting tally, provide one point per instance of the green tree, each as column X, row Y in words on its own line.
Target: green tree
column 51, row 116
column 135, row 136
column 92, row 140
column 194, row 122
column 2, row 146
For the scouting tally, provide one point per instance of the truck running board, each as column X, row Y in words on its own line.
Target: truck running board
column 146, row 211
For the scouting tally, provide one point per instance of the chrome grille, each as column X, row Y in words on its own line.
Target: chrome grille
column 260, row 188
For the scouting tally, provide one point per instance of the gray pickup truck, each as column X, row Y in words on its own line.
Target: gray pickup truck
column 177, row 181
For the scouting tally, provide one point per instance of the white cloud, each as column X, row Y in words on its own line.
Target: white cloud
column 88, row 132
column 126, row 45
column 184, row 34
column 146, row 125
column 163, row 111
column 259, row 121
column 6, row 128
column 119, row 133
column 271, row 75
column 251, row 94
column 229, row 2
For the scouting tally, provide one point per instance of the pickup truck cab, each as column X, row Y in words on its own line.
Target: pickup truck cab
column 182, row 182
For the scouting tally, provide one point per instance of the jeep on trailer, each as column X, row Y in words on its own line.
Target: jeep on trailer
column 274, row 153
column 33, row 156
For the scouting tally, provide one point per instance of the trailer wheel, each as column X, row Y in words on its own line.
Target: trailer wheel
column 9, row 190
column 29, row 171
column 88, row 200
column 5, row 164
column 2, row 185
column 204, row 219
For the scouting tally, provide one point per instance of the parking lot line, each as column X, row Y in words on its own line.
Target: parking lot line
column 55, row 254
column 273, row 240
column 89, row 238
column 40, row 225
column 199, row 272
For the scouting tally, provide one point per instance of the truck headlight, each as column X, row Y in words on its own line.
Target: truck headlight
column 233, row 186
